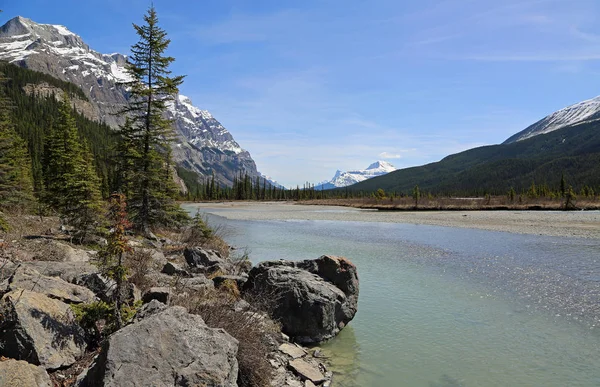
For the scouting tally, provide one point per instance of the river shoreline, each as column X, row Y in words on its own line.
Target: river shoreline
column 575, row 224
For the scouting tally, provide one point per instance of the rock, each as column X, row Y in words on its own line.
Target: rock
column 171, row 268
column 68, row 271
column 196, row 283
column 307, row 371
column 169, row 348
column 292, row 350
column 30, row 279
column 310, row 308
column 308, row 383
column 54, row 250
column 205, row 260
column 149, row 309
column 102, row 286
column 7, row 268
column 160, row 294
column 337, row 270
column 238, row 279
column 18, row 373
column 40, row 330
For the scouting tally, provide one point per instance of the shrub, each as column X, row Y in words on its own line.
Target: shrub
column 257, row 334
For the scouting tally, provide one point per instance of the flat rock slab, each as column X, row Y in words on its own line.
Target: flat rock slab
column 68, row 271
column 30, row 279
column 307, row 371
column 19, row 373
column 292, row 350
column 40, row 330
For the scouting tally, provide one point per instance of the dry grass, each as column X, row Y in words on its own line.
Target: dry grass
column 139, row 266
column 458, row 204
column 257, row 334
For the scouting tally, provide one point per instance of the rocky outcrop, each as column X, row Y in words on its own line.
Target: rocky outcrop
column 313, row 299
column 18, row 373
column 30, row 279
column 209, row 262
column 39, row 330
column 170, row 347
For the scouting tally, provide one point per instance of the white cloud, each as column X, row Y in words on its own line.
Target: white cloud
column 387, row 155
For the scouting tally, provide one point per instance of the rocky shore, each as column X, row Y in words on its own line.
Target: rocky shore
column 198, row 318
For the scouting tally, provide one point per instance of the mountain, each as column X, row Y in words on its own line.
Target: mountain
column 344, row 179
column 203, row 145
column 585, row 111
column 573, row 151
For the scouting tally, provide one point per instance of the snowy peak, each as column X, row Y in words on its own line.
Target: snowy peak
column 344, row 179
column 200, row 128
column 585, row 111
column 22, row 38
column 381, row 166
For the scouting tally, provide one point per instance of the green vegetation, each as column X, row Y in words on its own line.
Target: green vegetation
column 71, row 186
column 16, row 183
column 146, row 136
column 571, row 154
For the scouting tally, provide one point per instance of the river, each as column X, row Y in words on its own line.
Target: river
column 444, row 306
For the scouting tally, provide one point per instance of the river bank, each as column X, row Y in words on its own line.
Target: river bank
column 578, row 224
column 442, row 306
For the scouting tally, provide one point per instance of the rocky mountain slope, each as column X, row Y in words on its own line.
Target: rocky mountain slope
column 582, row 112
column 344, row 179
column 203, row 145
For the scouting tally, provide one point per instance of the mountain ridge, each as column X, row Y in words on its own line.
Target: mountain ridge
column 203, row 145
column 344, row 179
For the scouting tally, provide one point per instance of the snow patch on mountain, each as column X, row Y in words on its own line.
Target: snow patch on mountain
column 585, row 111
column 344, row 179
column 21, row 38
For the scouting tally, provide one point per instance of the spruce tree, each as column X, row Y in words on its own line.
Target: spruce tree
column 148, row 133
column 72, row 187
column 16, row 183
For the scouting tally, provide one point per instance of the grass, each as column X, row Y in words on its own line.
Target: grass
column 458, row 204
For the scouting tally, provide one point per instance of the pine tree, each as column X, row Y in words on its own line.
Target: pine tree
column 147, row 132
column 16, row 182
column 72, row 187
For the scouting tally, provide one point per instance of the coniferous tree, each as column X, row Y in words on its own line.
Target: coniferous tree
column 16, row 183
column 72, row 187
column 152, row 201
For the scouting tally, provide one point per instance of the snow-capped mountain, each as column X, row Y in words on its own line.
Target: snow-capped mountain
column 581, row 112
column 344, row 179
column 203, row 145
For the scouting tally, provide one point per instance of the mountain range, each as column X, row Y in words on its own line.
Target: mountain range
column 564, row 143
column 344, row 179
column 202, row 146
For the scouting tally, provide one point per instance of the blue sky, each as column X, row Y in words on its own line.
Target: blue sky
column 312, row 86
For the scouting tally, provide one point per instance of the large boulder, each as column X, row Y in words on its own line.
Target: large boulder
column 313, row 299
column 205, row 260
column 168, row 348
column 39, row 330
column 18, row 373
column 68, row 271
column 30, row 279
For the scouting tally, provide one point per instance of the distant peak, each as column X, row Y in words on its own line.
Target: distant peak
column 381, row 165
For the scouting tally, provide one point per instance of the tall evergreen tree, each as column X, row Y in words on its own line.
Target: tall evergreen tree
column 16, row 183
column 72, row 187
column 148, row 132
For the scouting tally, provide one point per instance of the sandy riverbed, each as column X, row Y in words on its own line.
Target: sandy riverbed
column 580, row 224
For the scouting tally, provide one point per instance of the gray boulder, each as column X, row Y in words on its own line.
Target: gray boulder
column 160, row 294
column 313, row 299
column 206, row 261
column 102, row 286
column 172, row 268
column 30, row 279
column 18, row 373
column 168, row 348
column 39, row 330
column 68, row 271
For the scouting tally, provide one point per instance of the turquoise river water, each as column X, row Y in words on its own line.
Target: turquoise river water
column 442, row 306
